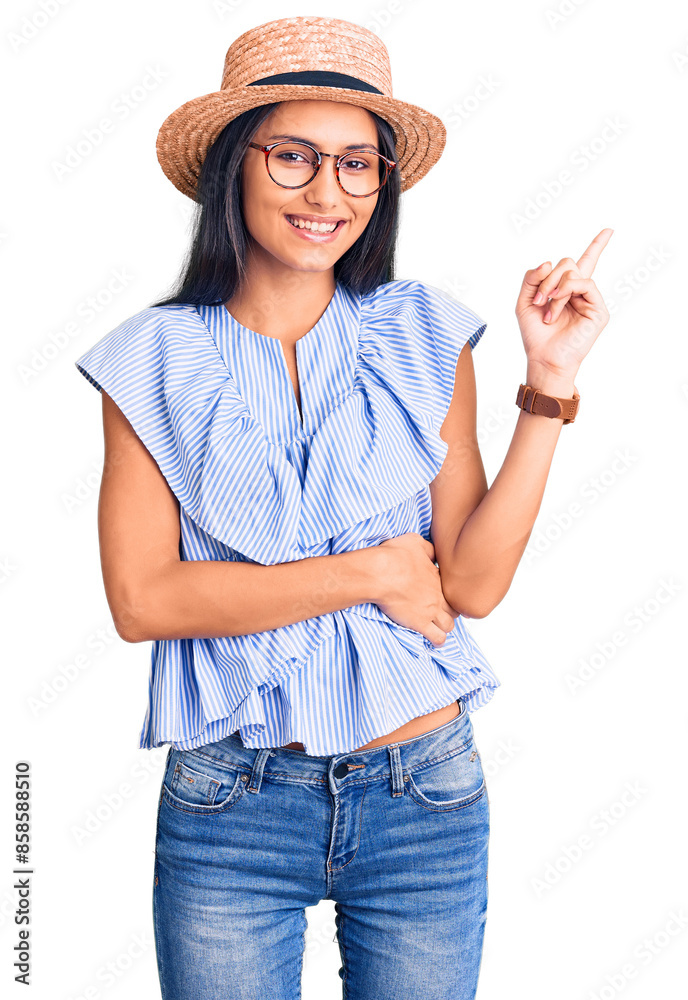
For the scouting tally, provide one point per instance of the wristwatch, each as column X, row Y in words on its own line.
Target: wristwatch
column 534, row 401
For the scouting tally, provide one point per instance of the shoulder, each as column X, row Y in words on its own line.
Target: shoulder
column 157, row 344
column 412, row 335
column 150, row 323
column 434, row 315
column 395, row 298
column 410, row 295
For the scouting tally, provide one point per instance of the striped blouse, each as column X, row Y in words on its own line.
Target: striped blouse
column 258, row 481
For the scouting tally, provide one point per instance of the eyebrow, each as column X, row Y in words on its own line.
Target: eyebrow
column 299, row 138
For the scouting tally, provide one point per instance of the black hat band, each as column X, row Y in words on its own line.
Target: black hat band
column 318, row 78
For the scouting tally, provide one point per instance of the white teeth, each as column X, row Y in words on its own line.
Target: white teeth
column 322, row 227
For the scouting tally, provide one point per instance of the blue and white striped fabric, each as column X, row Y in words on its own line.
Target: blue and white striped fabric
column 214, row 404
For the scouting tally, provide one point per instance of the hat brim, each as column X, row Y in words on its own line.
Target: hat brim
column 186, row 135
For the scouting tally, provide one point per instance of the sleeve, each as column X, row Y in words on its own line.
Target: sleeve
column 128, row 363
column 452, row 322
column 171, row 385
column 448, row 325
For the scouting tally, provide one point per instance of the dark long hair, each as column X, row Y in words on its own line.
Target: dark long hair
column 215, row 262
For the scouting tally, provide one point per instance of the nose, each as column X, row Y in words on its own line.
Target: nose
column 324, row 187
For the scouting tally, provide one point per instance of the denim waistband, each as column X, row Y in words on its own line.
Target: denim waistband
column 341, row 768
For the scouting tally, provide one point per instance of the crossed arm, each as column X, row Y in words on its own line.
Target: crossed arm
column 479, row 535
column 154, row 594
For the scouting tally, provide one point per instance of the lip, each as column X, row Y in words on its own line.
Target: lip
column 306, row 234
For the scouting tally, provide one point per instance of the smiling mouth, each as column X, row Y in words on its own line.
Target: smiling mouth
column 314, row 229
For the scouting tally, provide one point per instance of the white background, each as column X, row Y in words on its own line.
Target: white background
column 587, row 924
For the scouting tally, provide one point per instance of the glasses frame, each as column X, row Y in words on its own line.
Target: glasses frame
column 389, row 165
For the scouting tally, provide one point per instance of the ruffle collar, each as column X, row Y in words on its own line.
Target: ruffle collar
column 374, row 391
column 376, row 447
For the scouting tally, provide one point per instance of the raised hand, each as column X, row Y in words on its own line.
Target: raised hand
column 560, row 310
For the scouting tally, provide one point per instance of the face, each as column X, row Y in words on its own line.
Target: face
column 330, row 127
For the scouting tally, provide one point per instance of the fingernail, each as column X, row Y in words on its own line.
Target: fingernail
column 538, row 299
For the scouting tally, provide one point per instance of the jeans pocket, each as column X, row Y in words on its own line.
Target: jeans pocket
column 450, row 782
column 195, row 784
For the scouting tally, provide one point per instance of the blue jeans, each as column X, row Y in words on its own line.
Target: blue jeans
column 397, row 836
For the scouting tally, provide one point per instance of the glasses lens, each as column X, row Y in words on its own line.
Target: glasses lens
column 361, row 172
column 291, row 164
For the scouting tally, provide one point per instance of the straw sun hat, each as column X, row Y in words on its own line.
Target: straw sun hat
column 292, row 59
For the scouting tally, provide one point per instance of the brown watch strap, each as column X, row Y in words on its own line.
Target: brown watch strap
column 533, row 401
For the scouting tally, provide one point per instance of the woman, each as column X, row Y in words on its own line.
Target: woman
column 295, row 511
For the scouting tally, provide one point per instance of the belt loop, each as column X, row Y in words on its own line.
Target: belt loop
column 395, row 768
column 257, row 769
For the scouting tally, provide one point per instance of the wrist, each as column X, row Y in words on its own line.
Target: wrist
column 369, row 572
column 550, row 382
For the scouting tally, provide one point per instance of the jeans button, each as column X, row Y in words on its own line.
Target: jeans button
column 341, row 770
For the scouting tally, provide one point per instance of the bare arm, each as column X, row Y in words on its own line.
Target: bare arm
column 480, row 534
column 153, row 594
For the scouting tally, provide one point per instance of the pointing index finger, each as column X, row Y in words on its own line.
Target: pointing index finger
column 588, row 259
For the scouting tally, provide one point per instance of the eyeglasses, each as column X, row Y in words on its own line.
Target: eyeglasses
column 360, row 173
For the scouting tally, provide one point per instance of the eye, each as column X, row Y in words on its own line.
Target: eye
column 355, row 165
column 358, row 163
column 292, row 157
